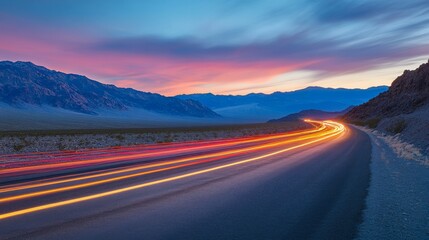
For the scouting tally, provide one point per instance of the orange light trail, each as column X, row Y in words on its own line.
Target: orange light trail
column 45, row 167
column 181, row 160
column 337, row 129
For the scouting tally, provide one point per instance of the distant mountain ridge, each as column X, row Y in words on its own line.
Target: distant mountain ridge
column 312, row 114
column 27, row 83
column 279, row 104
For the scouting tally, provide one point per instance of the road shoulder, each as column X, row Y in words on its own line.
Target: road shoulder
column 398, row 196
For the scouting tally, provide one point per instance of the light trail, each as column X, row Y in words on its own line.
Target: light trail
column 129, row 149
column 337, row 130
column 128, row 156
column 217, row 154
column 23, row 196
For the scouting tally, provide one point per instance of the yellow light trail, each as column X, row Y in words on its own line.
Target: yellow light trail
column 181, row 160
column 140, row 155
column 337, row 126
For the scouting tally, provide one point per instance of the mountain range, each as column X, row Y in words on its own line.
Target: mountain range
column 263, row 107
column 26, row 83
column 34, row 97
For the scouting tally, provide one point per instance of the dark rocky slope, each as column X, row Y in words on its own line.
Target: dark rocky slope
column 403, row 109
column 407, row 93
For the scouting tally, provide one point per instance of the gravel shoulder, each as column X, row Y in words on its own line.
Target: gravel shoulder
column 398, row 196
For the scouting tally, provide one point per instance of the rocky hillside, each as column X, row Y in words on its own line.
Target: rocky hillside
column 408, row 92
column 403, row 109
column 26, row 83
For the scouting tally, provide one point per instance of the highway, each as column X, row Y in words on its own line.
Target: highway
column 307, row 184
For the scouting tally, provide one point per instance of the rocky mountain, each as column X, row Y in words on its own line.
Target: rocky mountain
column 26, row 83
column 312, row 114
column 403, row 109
column 276, row 105
column 407, row 93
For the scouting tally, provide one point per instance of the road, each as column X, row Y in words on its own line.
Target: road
column 309, row 184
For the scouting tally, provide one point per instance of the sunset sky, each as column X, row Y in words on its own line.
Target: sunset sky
column 225, row 47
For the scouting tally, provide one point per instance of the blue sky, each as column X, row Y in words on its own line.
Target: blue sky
column 234, row 47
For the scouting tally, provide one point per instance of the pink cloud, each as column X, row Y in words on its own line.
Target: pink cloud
column 165, row 75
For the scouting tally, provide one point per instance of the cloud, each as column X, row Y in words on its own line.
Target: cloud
column 332, row 11
column 325, row 55
column 335, row 36
column 243, row 48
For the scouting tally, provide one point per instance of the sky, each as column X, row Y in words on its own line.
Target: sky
column 225, row 47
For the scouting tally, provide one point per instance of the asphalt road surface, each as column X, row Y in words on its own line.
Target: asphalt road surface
column 309, row 184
